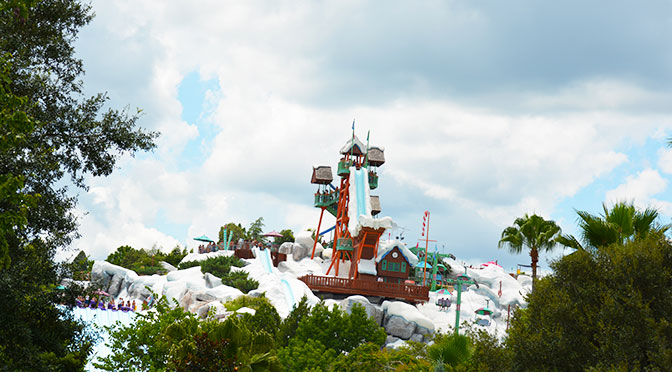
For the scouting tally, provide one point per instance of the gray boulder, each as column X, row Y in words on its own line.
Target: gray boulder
column 168, row 267
column 391, row 339
column 139, row 291
column 299, row 252
column 202, row 296
column 286, row 248
column 186, row 300
column 212, row 281
column 399, row 327
column 115, row 285
column 416, row 337
column 372, row 310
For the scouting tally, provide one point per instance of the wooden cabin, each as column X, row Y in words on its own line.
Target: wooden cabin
column 393, row 266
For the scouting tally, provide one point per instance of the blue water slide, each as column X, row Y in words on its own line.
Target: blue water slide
column 360, row 192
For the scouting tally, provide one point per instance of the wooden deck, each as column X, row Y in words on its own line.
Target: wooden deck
column 411, row 293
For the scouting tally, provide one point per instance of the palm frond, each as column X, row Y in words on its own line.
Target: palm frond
column 569, row 241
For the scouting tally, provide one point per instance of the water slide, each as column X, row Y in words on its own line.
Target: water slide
column 360, row 198
column 267, row 263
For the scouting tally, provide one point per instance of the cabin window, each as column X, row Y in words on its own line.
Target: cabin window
column 393, row 266
column 384, row 265
column 403, row 267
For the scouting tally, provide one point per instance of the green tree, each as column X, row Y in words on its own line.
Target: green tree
column 289, row 325
column 370, row 357
column 622, row 223
column 306, row 355
column 338, row 330
column 174, row 339
column 256, row 230
column 287, row 236
column 533, row 232
column 601, row 310
column 175, row 256
column 237, row 230
column 449, row 350
column 80, row 266
column 49, row 131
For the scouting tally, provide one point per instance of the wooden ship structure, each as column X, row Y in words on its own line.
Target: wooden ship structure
column 358, row 264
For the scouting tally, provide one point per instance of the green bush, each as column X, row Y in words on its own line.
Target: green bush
column 306, row 355
column 143, row 261
column 371, row 358
column 175, row 340
column 604, row 310
column 246, row 301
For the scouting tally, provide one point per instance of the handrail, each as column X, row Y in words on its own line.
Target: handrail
column 372, row 288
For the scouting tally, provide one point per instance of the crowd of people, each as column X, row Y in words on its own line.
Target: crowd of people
column 94, row 303
column 211, row 247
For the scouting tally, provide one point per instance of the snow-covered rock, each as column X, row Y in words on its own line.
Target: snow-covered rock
column 168, row 267
column 304, row 239
column 212, row 281
column 299, row 251
column 286, row 248
column 408, row 312
column 204, row 256
column 372, row 310
column 246, row 310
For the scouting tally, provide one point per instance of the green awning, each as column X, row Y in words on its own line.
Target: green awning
column 204, row 238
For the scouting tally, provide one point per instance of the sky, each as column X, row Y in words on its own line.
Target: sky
column 487, row 111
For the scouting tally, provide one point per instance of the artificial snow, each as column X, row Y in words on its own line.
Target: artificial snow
column 246, row 310
column 204, row 256
column 352, row 141
column 281, row 286
column 373, row 223
column 408, row 312
column 367, row 267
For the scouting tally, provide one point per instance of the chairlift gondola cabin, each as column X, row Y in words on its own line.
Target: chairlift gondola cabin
column 352, row 150
column 322, row 175
column 376, row 158
column 484, row 310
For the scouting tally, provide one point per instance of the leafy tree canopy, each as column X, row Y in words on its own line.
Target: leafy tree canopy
column 287, row 236
column 143, row 261
column 256, row 230
column 621, row 223
column 531, row 232
column 48, row 131
column 608, row 309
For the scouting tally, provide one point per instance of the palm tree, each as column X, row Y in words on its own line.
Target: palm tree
column 622, row 223
column 533, row 232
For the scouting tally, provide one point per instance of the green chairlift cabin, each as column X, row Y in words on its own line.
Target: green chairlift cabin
column 376, row 158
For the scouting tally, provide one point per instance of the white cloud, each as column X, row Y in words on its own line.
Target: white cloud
column 665, row 160
column 269, row 62
column 639, row 188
